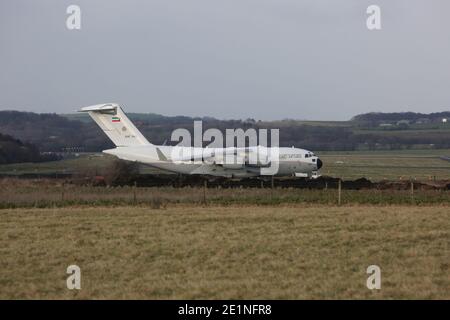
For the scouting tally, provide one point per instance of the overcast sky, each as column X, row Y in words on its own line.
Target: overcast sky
column 264, row 59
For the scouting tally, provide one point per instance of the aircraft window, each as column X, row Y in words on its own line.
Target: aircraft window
column 313, row 160
column 306, row 155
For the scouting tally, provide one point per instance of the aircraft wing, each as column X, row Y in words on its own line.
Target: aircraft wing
column 208, row 154
column 251, row 157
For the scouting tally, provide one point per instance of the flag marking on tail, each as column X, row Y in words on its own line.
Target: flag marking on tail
column 116, row 125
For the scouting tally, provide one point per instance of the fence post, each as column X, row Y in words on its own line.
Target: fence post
column 412, row 191
column 339, row 192
column 205, row 185
column 272, row 184
column 62, row 191
column 134, row 193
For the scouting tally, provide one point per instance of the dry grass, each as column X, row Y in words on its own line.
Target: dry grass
column 18, row 193
column 225, row 252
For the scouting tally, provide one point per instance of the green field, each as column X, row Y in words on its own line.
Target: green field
column 421, row 165
column 239, row 252
column 88, row 164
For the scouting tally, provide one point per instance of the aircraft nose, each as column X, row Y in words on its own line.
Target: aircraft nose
column 319, row 163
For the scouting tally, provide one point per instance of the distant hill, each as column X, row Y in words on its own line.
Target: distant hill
column 78, row 133
column 399, row 116
column 14, row 151
column 51, row 132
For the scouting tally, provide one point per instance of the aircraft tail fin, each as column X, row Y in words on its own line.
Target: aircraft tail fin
column 116, row 125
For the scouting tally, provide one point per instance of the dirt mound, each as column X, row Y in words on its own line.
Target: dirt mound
column 179, row 181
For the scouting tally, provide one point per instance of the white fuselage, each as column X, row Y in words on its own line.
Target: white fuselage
column 287, row 162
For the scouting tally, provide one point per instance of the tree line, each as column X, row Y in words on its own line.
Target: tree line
column 39, row 133
column 13, row 151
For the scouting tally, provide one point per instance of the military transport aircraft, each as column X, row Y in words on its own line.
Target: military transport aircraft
column 230, row 162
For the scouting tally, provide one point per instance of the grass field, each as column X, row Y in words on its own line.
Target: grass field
column 422, row 165
column 50, row 193
column 236, row 252
column 94, row 163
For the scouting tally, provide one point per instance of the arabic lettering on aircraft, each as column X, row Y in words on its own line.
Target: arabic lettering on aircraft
column 290, row 156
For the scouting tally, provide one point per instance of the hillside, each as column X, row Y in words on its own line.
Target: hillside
column 14, row 151
column 374, row 131
column 377, row 118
